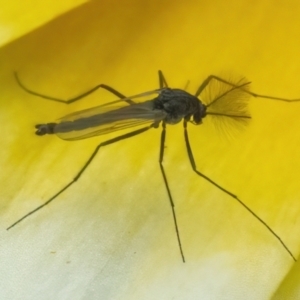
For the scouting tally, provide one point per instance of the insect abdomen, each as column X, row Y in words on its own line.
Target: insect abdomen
column 43, row 129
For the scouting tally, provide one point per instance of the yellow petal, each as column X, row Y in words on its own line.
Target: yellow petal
column 289, row 288
column 111, row 235
column 20, row 17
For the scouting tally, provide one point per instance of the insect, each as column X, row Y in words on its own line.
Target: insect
column 226, row 101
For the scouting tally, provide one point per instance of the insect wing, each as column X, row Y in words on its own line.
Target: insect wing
column 110, row 117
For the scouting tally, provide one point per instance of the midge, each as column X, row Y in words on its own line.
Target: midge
column 218, row 98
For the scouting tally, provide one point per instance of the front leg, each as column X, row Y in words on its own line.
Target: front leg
column 194, row 167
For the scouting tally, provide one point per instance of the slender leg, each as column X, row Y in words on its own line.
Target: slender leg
column 108, row 142
column 186, row 85
column 69, row 101
column 209, row 78
column 161, row 156
column 162, row 80
column 194, row 167
column 162, row 84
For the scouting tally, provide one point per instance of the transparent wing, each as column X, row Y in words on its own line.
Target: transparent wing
column 108, row 118
column 227, row 104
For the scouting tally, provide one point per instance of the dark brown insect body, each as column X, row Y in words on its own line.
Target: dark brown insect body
column 171, row 106
column 226, row 101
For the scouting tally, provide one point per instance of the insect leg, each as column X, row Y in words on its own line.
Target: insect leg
column 194, row 167
column 161, row 156
column 108, row 142
column 209, row 78
column 162, row 80
column 69, row 101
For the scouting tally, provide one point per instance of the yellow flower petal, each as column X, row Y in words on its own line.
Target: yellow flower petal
column 20, row 17
column 111, row 235
column 290, row 287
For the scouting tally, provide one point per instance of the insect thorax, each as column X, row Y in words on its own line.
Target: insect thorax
column 178, row 104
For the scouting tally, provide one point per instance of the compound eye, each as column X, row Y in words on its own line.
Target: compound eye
column 200, row 114
column 197, row 118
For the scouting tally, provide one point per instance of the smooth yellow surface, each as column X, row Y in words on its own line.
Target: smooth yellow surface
column 290, row 287
column 20, row 17
column 111, row 235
